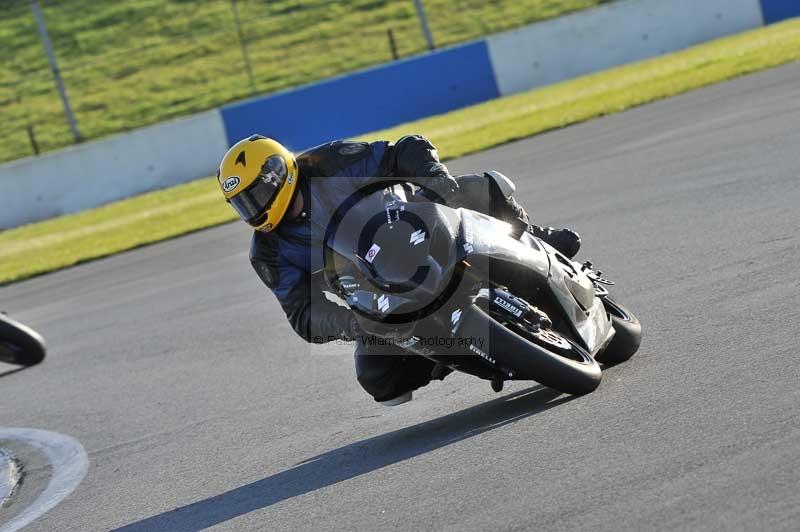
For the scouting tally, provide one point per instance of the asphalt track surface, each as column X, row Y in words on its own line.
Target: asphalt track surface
column 198, row 406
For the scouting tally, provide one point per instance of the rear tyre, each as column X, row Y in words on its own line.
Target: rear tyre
column 628, row 335
column 545, row 356
column 20, row 344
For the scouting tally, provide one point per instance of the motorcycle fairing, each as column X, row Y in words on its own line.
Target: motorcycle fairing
column 452, row 237
column 484, row 237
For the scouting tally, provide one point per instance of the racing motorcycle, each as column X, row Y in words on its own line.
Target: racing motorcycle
column 19, row 344
column 456, row 286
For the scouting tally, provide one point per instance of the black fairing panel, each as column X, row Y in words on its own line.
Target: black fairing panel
column 405, row 252
column 484, row 240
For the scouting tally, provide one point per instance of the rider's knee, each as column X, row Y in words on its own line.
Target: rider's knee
column 386, row 376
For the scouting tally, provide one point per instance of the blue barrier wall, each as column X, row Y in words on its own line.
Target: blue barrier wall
column 777, row 10
column 369, row 100
column 434, row 83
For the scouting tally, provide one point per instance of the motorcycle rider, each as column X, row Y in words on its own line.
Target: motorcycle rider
column 289, row 201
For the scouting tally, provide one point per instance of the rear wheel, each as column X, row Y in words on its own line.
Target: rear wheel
column 628, row 335
column 19, row 344
column 545, row 356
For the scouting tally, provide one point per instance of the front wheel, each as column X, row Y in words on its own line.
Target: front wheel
column 544, row 356
column 627, row 336
column 19, row 344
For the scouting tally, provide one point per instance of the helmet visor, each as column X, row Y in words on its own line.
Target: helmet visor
column 255, row 200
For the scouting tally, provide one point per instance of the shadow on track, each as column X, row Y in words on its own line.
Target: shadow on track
column 354, row 460
column 11, row 371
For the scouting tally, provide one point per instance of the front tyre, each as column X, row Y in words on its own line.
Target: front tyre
column 20, row 344
column 628, row 335
column 544, row 356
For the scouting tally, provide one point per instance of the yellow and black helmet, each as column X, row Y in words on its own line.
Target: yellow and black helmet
column 258, row 177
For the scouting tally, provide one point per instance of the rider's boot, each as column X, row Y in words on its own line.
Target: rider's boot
column 566, row 241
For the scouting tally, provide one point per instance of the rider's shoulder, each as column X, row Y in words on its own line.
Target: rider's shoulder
column 331, row 157
column 336, row 147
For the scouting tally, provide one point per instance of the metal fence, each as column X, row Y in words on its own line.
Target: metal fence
column 130, row 63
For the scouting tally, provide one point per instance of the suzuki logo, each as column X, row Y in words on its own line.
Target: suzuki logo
column 455, row 317
column 468, row 238
column 417, row 237
column 383, row 303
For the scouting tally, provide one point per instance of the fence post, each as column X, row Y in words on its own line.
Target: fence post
column 51, row 58
column 423, row 22
column 392, row 44
column 243, row 45
column 32, row 138
column 29, row 125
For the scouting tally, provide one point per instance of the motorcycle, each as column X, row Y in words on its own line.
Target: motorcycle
column 455, row 286
column 19, row 344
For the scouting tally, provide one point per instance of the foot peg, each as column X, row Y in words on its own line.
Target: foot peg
column 595, row 275
column 539, row 319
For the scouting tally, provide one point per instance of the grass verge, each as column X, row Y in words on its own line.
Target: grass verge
column 53, row 244
column 130, row 63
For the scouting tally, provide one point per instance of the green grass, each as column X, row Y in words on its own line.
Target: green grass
column 130, row 63
column 63, row 241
